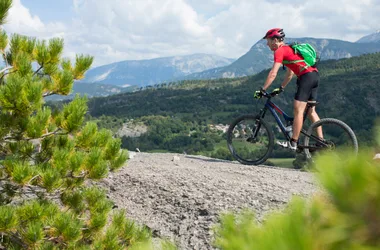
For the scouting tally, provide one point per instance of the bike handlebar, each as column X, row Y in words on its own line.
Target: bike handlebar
column 270, row 95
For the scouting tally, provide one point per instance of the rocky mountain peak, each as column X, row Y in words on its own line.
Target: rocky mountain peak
column 371, row 38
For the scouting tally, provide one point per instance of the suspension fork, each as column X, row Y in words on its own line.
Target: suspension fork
column 257, row 123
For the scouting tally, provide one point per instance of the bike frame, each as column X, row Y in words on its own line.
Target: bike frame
column 274, row 109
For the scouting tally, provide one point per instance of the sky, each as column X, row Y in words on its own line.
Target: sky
column 117, row 30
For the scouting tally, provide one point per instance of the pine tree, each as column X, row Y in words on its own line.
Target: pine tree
column 47, row 157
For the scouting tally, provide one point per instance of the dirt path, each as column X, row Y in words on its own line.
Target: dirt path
column 180, row 197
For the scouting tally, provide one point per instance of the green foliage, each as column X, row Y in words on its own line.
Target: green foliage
column 50, row 179
column 55, row 50
column 33, row 233
column 118, row 162
column 22, row 173
column 110, row 122
column 63, row 83
column 73, row 114
column 345, row 216
column 91, row 137
column 123, row 231
column 38, row 123
column 223, row 153
column 173, row 134
column 41, row 53
column 168, row 245
column 3, row 40
column 47, row 155
column 8, row 219
column 95, row 164
column 82, row 64
column 377, row 133
column 29, row 96
column 68, row 226
column 22, row 64
column 35, row 211
column 4, row 8
column 355, row 195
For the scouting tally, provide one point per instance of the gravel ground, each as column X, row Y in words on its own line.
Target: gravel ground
column 180, row 196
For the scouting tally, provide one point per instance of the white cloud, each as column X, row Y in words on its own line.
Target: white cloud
column 143, row 29
column 21, row 21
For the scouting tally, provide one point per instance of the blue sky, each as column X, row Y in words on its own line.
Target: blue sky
column 116, row 30
column 50, row 10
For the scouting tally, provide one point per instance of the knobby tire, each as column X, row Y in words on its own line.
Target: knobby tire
column 331, row 121
column 264, row 127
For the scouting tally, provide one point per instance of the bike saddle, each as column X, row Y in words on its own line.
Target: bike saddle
column 312, row 103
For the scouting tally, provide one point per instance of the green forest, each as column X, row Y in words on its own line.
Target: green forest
column 180, row 115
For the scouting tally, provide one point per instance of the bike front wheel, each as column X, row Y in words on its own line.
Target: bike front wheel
column 250, row 140
column 337, row 137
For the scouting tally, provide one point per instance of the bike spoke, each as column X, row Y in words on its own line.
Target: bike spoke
column 249, row 141
column 337, row 137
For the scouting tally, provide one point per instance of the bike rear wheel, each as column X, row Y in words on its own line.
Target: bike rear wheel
column 250, row 140
column 337, row 135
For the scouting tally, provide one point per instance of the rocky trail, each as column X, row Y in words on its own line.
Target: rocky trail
column 181, row 196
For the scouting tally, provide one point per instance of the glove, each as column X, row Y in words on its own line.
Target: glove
column 278, row 90
column 258, row 94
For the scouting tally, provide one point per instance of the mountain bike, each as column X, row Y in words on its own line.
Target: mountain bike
column 250, row 138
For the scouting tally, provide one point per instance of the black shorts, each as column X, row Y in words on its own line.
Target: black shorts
column 307, row 85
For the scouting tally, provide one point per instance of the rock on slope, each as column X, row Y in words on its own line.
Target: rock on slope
column 181, row 196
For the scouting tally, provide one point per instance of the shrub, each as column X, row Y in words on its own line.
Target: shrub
column 345, row 216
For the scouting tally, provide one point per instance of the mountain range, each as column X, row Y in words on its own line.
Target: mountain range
column 150, row 72
column 259, row 57
column 141, row 73
column 90, row 90
column 372, row 38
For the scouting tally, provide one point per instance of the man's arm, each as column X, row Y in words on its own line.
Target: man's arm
column 272, row 75
column 288, row 77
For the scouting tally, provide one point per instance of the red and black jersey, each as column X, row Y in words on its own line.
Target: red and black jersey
column 286, row 53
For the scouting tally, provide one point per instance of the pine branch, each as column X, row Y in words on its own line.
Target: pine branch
column 47, row 160
column 35, row 73
column 3, row 151
column 15, row 238
column 34, row 177
column 4, row 9
column 49, row 94
column 51, row 133
column 31, row 157
column 5, row 69
column 71, row 175
column 5, row 58
column 15, row 139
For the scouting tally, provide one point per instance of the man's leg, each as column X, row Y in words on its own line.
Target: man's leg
column 299, row 108
column 313, row 116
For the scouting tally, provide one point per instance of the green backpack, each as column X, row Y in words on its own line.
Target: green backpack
column 307, row 52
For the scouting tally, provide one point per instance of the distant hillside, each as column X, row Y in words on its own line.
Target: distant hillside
column 259, row 57
column 372, row 38
column 91, row 90
column 154, row 71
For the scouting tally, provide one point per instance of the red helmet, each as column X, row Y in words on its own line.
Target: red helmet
column 274, row 33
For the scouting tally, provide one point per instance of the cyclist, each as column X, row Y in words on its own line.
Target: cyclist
column 307, row 81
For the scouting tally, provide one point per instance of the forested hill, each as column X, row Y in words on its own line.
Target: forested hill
column 349, row 90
